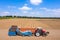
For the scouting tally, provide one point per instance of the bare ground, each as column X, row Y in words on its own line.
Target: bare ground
column 54, row 35
column 53, row 26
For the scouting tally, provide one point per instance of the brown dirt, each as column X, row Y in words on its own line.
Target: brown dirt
column 54, row 35
column 45, row 23
column 52, row 25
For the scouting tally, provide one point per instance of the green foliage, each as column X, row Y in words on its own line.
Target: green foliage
column 8, row 17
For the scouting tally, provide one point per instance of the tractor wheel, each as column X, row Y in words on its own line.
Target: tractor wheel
column 44, row 34
column 37, row 34
column 47, row 32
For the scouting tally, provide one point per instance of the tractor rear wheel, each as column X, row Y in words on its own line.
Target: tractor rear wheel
column 37, row 34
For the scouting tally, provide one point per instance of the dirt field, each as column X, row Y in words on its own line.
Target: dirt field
column 51, row 25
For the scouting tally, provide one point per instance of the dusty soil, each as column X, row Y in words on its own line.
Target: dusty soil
column 51, row 25
column 54, row 35
column 45, row 23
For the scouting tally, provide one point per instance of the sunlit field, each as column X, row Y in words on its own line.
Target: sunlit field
column 51, row 25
